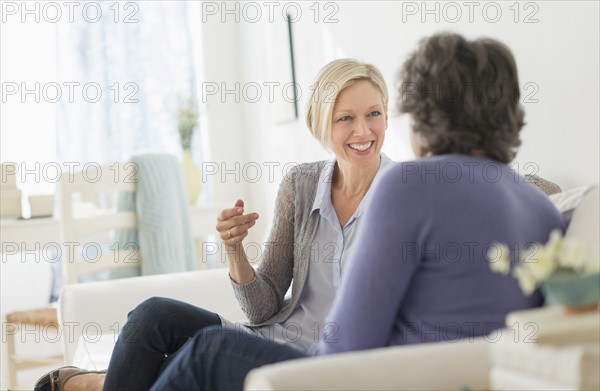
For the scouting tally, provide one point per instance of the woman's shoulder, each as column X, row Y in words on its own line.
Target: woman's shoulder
column 450, row 169
column 444, row 177
column 300, row 180
column 308, row 172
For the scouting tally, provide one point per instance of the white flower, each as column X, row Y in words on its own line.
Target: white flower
column 539, row 261
column 554, row 242
column 571, row 254
column 499, row 257
column 527, row 282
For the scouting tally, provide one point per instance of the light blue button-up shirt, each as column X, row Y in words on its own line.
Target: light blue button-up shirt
column 331, row 247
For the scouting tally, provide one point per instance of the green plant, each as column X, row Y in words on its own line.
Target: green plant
column 188, row 121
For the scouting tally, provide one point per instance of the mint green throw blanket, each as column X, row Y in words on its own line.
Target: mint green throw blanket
column 163, row 235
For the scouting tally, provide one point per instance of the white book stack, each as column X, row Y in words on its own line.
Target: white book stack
column 10, row 196
column 544, row 349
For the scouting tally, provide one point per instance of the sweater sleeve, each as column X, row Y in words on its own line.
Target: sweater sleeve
column 380, row 270
column 263, row 297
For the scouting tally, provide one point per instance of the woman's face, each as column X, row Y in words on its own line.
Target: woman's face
column 358, row 126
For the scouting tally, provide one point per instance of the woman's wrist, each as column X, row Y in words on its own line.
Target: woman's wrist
column 240, row 270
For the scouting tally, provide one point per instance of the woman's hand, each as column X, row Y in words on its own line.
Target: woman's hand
column 233, row 224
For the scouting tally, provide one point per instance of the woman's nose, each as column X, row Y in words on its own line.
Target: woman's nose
column 362, row 127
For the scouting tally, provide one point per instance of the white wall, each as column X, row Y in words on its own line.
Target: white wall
column 559, row 54
column 28, row 128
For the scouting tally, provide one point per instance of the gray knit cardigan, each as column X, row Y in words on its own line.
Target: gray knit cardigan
column 287, row 253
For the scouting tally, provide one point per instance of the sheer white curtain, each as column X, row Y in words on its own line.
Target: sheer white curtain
column 128, row 71
column 132, row 66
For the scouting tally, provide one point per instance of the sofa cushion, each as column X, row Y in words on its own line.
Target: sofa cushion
column 94, row 353
column 567, row 201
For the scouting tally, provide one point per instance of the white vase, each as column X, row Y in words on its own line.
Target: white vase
column 192, row 177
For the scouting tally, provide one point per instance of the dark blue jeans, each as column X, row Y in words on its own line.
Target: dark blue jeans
column 219, row 359
column 155, row 330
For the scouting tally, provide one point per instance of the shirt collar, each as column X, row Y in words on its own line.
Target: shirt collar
column 323, row 193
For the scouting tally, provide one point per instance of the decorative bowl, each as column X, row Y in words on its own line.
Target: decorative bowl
column 571, row 289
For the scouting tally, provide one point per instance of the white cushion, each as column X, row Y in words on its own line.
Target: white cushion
column 567, row 201
column 94, row 354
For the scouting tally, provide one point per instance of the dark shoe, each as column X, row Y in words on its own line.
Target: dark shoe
column 56, row 379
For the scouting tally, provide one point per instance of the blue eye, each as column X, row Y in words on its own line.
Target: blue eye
column 375, row 113
column 345, row 118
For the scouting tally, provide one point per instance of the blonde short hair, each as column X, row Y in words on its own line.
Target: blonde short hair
column 331, row 80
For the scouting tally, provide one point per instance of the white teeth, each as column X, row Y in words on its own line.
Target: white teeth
column 361, row 147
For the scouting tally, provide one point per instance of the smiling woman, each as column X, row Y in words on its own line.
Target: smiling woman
column 318, row 211
column 359, row 121
column 325, row 92
column 358, row 129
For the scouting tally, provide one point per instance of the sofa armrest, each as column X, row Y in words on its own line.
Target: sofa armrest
column 97, row 309
column 433, row 366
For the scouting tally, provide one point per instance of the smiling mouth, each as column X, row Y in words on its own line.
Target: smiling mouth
column 361, row 146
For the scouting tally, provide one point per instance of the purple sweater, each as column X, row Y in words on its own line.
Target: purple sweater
column 421, row 273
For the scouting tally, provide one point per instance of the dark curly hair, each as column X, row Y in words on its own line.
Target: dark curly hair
column 463, row 96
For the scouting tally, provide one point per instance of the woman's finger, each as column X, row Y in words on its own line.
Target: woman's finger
column 226, row 214
column 223, row 225
column 236, row 239
column 240, row 229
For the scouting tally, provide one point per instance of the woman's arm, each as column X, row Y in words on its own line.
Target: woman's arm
column 262, row 297
column 377, row 276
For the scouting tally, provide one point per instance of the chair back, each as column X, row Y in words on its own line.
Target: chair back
column 91, row 220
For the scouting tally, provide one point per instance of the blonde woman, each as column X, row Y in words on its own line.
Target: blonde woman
column 317, row 213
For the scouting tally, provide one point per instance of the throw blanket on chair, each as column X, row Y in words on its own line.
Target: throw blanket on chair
column 163, row 235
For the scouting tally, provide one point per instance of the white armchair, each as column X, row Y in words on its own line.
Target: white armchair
column 93, row 314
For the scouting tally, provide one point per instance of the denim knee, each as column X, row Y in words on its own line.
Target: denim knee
column 149, row 318
column 218, row 338
column 154, row 306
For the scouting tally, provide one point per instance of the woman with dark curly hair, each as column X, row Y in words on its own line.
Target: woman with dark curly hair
column 463, row 97
column 420, row 272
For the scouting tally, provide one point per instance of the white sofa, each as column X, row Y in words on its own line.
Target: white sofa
column 92, row 314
